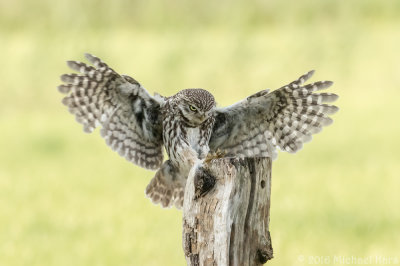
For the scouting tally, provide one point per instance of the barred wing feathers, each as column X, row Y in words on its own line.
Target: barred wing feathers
column 129, row 117
column 285, row 118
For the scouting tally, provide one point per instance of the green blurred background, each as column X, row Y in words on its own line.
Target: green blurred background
column 67, row 199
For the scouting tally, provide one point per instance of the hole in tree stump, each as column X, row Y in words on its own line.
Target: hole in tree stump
column 203, row 182
column 262, row 184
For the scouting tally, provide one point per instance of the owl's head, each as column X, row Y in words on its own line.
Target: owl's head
column 196, row 105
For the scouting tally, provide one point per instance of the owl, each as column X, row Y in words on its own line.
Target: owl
column 188, row 124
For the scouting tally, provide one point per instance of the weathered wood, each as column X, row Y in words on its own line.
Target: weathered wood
column 226, row 213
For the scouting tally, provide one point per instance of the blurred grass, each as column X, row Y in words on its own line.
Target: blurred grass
column 67, row 199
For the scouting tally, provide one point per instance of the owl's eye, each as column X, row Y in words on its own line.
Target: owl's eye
column 191, row 107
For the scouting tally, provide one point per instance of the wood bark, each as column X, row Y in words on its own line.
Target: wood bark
column 226, row 212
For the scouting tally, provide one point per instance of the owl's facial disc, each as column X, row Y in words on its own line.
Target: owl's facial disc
column 196, row 106
column 194, row 116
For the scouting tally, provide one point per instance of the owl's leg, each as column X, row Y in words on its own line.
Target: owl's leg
column 167, row 186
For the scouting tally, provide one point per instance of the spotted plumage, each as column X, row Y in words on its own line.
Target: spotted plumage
column 188, row 124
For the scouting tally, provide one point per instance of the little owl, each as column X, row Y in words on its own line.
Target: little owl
column 188, row 124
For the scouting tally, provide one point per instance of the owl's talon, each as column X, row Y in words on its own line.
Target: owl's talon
column 218, row 154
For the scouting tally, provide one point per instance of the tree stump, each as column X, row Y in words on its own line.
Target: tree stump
column 226, row 212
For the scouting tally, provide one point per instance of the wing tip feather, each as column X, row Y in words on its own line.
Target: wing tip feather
column 310, row 73
column 89, row 56
column 65, row 78
column 63, row 88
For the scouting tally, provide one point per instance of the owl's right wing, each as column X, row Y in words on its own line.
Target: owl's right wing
column 285, row 118
column 130, row 119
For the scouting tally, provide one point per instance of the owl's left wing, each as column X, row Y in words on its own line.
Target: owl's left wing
column 286, row 117
column 130, row 119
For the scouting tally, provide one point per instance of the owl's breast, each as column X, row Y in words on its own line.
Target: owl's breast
column 194, row 139
column 184, row 145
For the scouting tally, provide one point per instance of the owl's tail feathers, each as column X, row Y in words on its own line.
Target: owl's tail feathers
column 167, row 187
